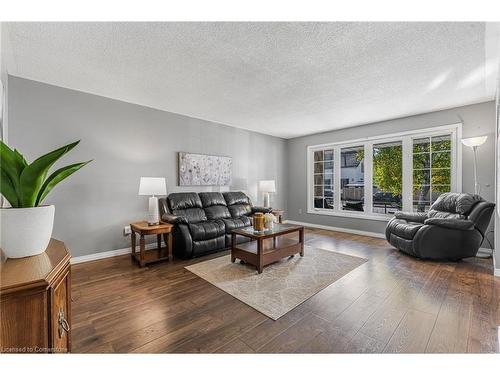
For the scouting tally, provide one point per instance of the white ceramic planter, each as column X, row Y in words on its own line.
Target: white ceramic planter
column 26, row 231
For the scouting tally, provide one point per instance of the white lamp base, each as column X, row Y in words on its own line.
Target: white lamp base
column 154, row 213
column 267, row 200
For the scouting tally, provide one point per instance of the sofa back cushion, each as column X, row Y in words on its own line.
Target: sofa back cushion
column 187, row 205
column 238, row 203
column 236, row 197
column 453, row 205
column 214, row 205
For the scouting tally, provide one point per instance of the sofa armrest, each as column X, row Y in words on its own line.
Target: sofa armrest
column 417, row 217
column 264, row 210
column 451, row 223
column 172, row 219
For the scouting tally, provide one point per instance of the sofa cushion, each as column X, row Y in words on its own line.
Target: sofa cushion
column 214, row 205
column 417, row 217
column 236, row 197
column 239, row 210
column 182, row 201
column 404, row 229
column 206, row 230
column 217, row 212
column 444, row 215
column 240, row 222
column 191, row 215
column 238, row 203
column 209, row 199
column 460, row 224
column 455, row 203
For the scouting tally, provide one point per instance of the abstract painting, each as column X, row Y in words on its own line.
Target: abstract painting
column 199, row 169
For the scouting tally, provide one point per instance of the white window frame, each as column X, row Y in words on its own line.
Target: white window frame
column 455, row 130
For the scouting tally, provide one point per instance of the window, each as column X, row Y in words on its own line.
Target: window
column 387, row 177
column 377, row 176
column 431, row 170
column 352, row 178
column 323, row 179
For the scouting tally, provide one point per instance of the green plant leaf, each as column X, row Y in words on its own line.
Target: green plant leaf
column 12, row 163
column 7, row 189
column 57, row 177
column 33, row 176
column 21, row 158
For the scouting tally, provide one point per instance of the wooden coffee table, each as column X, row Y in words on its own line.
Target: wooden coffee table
column 267, row 247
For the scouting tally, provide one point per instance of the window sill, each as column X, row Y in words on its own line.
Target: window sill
column 351, row 214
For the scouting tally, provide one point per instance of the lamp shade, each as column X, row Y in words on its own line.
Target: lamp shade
column 474, row 141
column 267, row 186
column 152, row 186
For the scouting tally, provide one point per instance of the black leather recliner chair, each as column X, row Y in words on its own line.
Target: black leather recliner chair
column 453, row 228
column 203, row 221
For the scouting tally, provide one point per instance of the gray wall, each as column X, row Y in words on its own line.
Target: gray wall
column 4, row 83
column 478, row 119
column 126, row 141
column 497, row 177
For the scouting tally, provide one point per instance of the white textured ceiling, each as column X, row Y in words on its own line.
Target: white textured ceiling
column 283, row 79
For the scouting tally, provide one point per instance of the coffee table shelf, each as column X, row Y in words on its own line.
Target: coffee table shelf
column 267, row 247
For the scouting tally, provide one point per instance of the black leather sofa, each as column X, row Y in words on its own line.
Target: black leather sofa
column 453, row 228
column 203, row 221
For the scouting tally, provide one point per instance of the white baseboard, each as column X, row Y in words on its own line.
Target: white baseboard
column 337, row 229
column 107, row 254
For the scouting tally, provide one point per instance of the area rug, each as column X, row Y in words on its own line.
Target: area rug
column 282, row 285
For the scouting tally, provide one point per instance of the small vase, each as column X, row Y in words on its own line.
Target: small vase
column 269, row 225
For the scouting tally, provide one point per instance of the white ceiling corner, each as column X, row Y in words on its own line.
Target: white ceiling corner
column 285, row 79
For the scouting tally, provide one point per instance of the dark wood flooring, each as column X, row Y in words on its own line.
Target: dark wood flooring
column 392, row 303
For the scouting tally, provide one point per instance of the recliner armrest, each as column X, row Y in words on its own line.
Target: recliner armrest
column 417, row 217
column 172, row 219
column 264, row 210
column 459, row 224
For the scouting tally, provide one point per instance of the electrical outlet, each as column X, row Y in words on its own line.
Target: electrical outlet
column 126, row 230
column 300, row 211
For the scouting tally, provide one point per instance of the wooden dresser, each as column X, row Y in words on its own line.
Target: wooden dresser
column 35, row 302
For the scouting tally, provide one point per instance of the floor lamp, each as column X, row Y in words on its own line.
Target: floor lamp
column 474, row 143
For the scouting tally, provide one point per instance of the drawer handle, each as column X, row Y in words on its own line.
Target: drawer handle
column 63, row 323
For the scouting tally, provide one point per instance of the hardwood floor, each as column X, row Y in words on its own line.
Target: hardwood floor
column 392, row 303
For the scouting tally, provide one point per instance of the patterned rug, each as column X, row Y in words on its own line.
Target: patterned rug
column 281, row 286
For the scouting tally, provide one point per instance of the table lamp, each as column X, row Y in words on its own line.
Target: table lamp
column 474, row 143
column 267, row 186
column 153, row 186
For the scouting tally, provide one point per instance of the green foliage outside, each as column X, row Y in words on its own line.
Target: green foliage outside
column 388, row 173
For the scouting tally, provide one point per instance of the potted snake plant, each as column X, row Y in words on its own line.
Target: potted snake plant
column 26, row 226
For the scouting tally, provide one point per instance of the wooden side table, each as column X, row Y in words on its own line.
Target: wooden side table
column 35, row 300
column 279, row 214
column 142, row 229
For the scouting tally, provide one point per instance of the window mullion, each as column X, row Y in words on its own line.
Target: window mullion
column 336, row 178
column 368, row 178
column 407, row 174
